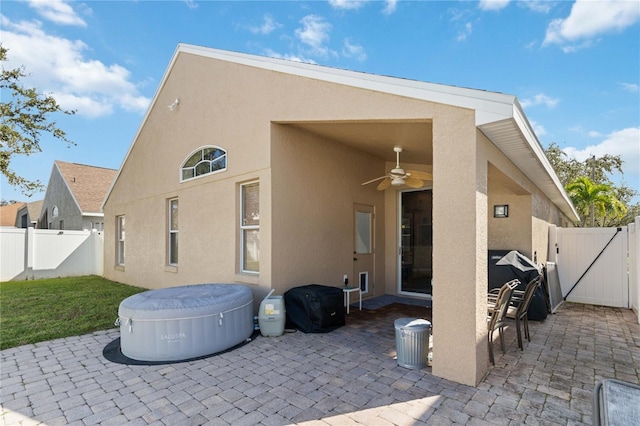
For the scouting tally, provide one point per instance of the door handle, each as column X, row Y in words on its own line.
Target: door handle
column 355, row 259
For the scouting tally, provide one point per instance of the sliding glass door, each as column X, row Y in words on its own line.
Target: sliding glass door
column 416, row 242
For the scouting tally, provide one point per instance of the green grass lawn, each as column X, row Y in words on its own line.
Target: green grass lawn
column 39, row 310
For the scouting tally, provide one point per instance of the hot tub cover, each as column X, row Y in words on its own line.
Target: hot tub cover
column 198, row 299
column 191, row 321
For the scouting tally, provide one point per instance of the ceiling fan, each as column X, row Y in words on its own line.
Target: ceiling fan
column 399, row 176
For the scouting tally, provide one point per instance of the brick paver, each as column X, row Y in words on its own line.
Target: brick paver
column 346, row 377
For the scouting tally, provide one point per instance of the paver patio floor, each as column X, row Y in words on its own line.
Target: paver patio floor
column 348, row 376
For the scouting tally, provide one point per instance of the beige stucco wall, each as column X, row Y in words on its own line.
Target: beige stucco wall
column 308, row 183
column 316, row 183
column 459, row 250
column 530, row 211
column 308, row 186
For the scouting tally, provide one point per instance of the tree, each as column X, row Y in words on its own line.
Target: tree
column 25, row 116
column 591, row 199
column 615, row 208
column 569, row 169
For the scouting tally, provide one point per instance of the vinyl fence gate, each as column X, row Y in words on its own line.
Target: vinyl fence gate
column 593, row 265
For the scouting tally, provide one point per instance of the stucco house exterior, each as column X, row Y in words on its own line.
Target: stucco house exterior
column 74, row 197
column 249, row 169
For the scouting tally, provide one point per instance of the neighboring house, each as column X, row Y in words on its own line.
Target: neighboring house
column 74, row 197
column 27, row 215
column 8, row 213
column 249, row 169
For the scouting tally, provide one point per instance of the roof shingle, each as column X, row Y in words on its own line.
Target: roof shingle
column 89, row 184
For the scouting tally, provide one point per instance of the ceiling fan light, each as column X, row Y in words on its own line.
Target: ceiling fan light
column 396, row 181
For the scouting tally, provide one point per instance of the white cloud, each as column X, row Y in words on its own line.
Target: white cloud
column 493, row 4
column 539, row 99
column 390, row 7
column 288, row 57
column 315, row 33
column 465, row 32
column 590, row 19
column 353, row 51
column 630, row 87
column 191, row 4
column 268, row 26
column 625, row 143
column 542, row 6
column 57, row 65
column 538, row 128
column 347, row 4
column 57, row 11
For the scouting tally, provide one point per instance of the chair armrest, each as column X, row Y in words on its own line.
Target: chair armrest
column 517, row 297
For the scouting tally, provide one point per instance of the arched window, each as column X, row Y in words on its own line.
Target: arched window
column 208, row 159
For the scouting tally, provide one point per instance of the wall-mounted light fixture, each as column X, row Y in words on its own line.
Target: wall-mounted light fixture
column 501, row 210
column 174, row 105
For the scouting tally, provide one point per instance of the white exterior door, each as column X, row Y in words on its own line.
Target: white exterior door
column 363, row 246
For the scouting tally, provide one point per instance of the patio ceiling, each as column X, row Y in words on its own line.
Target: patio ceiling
column 378, row 138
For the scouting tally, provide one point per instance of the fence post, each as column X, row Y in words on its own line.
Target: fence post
column 98, row 252
column 634, row 265
column 552, row 248
column 29, row 252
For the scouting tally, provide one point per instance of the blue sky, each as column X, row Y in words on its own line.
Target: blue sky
column 574, row 66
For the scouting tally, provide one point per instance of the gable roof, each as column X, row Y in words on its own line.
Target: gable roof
column 88, row 184
column 8, row 214
column 34, row 208
column 499, row 116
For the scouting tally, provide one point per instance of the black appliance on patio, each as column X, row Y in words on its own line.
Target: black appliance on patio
column 506, row 265
column 314, row 308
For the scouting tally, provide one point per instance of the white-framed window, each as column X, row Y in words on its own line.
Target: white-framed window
column 203, row 161
column 250, row 227
column 54, row 211
column 120, row 233
column 173, row 232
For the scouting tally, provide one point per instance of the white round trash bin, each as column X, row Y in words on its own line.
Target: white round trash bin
column 412, row 342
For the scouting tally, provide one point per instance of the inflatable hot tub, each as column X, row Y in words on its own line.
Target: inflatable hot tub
column 178, row 323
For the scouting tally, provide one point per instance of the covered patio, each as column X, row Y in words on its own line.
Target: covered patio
column 348, row 376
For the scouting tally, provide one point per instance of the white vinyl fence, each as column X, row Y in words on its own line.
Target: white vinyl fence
column 27, row 254
column 599, row 266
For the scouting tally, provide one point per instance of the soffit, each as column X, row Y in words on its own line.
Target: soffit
column 530, row 159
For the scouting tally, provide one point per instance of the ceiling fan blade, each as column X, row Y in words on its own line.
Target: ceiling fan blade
column 413, row 182
column 420, row 175
column 384, row 184
column 373, row 180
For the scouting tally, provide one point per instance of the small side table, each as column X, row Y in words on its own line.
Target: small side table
column 347, row 296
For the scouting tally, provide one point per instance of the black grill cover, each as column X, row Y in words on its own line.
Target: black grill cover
column 314, row 308
column 506, row 265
